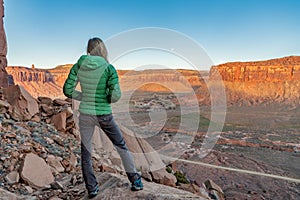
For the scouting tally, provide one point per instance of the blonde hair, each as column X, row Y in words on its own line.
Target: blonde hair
column 96, row 47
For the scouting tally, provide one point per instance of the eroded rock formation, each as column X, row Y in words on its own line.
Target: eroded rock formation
column 23, row 74
column 3, row 50
column 38, row 82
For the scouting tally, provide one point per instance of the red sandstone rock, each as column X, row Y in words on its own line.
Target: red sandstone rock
column 59, row 121
column 3, row 50
column 163, row 177
column 36, row 172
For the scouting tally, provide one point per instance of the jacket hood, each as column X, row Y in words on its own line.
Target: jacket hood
column 88, row 62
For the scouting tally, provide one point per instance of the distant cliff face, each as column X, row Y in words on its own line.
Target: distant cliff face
column 41, row 82
column 274, row 70
column 246, row 83
column 275, row 80
column 23, row 74
column 38, row 82
column 162, row 80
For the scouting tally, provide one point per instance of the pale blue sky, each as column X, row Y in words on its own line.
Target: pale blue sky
column 48, row 33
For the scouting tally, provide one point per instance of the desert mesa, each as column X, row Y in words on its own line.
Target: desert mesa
column 246, row 83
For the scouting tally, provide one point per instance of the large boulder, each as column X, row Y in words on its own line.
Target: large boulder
column 36, row 172
column 115, row 187
column 146, row 158
column 24, row 106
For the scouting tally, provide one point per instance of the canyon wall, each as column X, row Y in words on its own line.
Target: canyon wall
column 282, row 69
column 249, row 83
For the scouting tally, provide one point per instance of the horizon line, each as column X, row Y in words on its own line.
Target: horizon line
column 177, row 68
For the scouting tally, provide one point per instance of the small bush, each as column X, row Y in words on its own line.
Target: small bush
column 169, row 169
column 181, row 178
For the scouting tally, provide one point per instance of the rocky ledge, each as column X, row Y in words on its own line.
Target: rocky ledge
column 40, row 156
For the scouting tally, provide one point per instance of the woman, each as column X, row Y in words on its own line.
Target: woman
column 99, row 88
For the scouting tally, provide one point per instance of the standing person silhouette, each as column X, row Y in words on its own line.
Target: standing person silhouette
column 100, row 87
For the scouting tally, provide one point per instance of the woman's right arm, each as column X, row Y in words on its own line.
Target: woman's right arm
column 71, row 83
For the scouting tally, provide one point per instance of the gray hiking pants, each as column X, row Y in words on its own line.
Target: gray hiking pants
column 107, row 123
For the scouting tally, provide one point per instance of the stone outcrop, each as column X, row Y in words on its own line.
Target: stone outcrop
column 3, row 50
column 36, row 172
column 24, row 106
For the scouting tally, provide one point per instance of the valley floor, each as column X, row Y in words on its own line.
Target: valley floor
column 263, row 139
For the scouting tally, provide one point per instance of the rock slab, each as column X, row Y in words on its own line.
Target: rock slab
column 23, row 104
column 116, row 187
column 36, row 172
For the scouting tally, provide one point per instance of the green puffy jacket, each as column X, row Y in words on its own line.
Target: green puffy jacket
column 99, row 85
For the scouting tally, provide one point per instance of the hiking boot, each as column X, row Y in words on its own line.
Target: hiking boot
column 94, row 193
column 137, row 185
